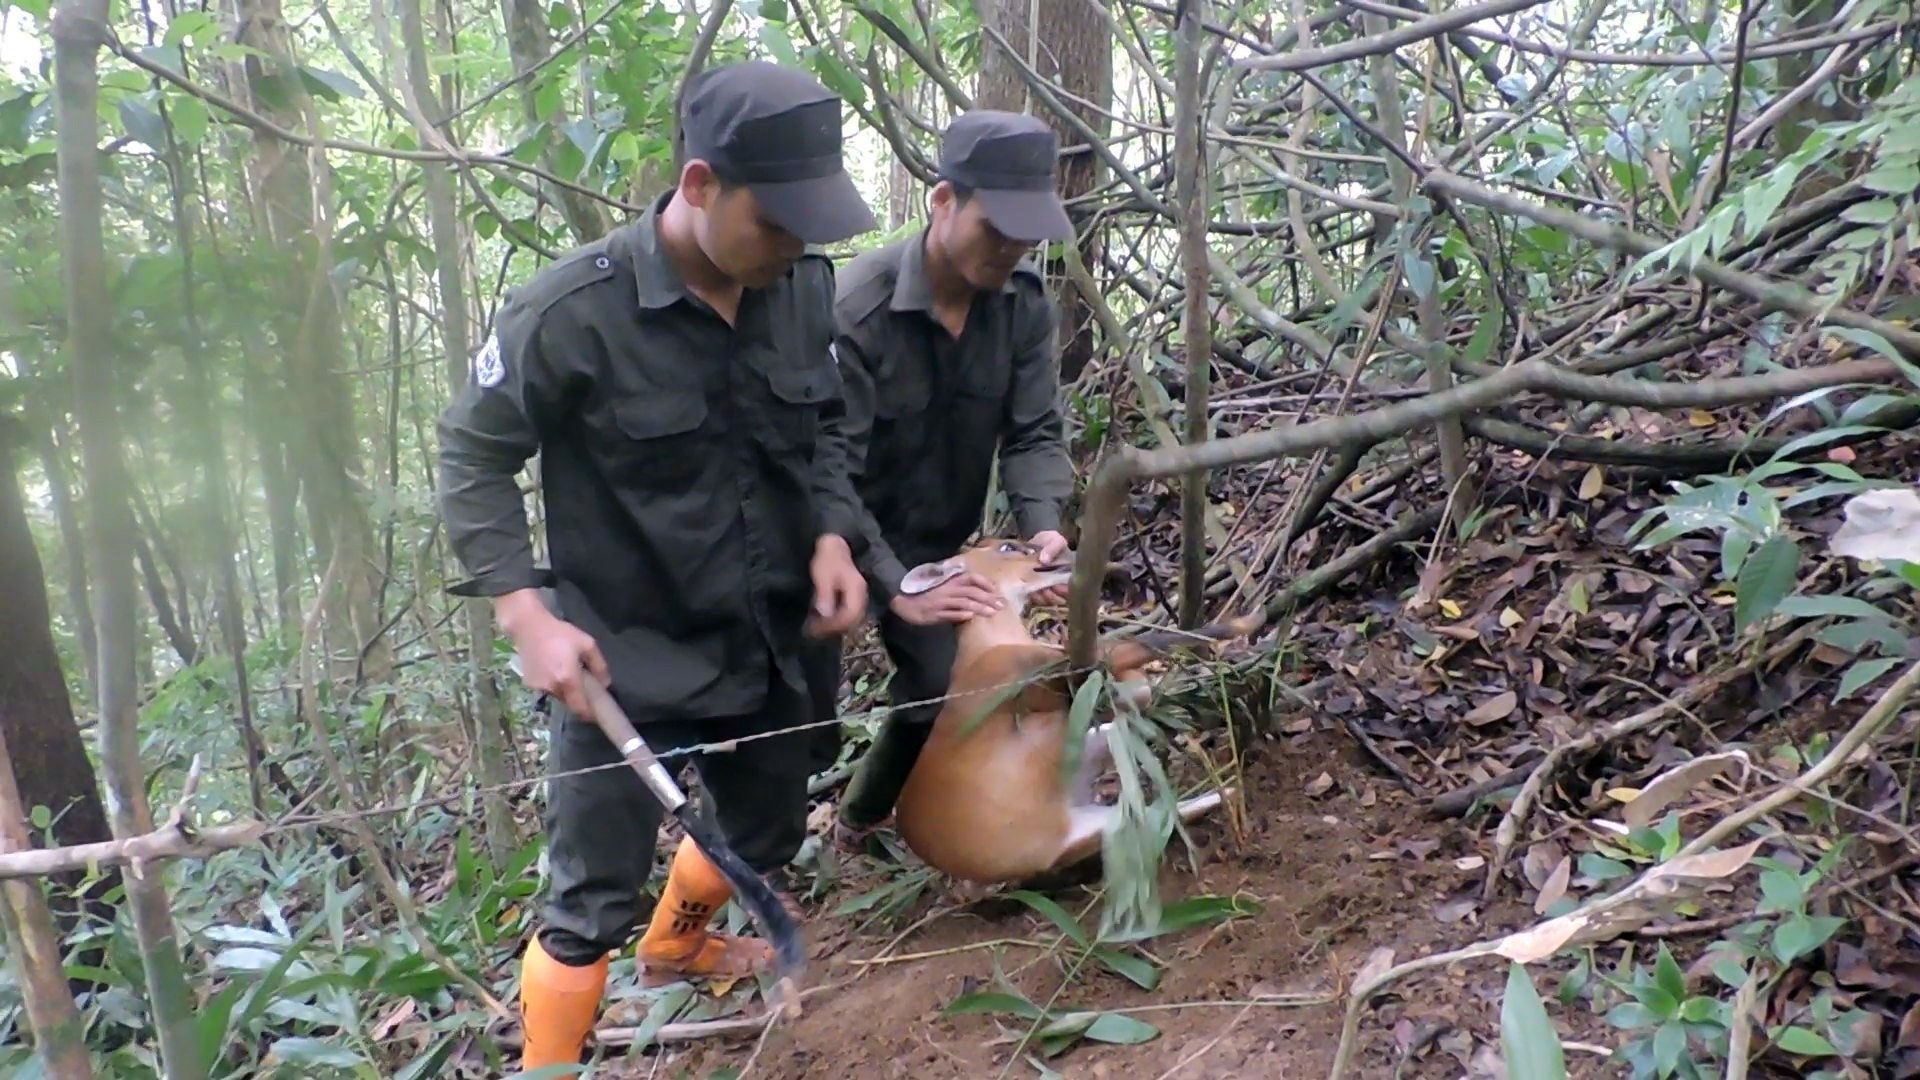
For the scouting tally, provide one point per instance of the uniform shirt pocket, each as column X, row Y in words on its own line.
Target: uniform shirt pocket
column 797, row 395
column 653, row 439
column 903, row 387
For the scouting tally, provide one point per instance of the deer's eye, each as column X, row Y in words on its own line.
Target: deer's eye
column 1009, row 548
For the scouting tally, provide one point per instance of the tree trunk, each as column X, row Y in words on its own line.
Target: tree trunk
column 484, row 724
column 209, row 445
column 36, row 714
column 59, row 1034
column 529, row 43
column 177, row 635
column 262, row 404
column 79, row 28
column 1196, row 331
column 1075, row 53
column 327, row 455
column 53, row 459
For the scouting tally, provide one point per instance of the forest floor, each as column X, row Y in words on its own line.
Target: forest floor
column 1424, row 677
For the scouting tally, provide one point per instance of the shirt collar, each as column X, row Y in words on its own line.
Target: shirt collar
column 656, row 283
column 911, row 289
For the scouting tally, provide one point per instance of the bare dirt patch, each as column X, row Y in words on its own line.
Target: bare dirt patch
column 1337, row 873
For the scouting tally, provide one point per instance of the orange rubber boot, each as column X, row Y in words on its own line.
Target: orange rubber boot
column 677, row 944
column 558, row 1005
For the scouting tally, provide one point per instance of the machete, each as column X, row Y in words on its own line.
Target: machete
column 753, row 892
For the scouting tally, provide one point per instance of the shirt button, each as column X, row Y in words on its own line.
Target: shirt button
column 602, row 262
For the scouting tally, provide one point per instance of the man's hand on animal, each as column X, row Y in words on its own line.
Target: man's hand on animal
column 839, row 591
column 956, row 600
column 553, row 652
column 1052, row 548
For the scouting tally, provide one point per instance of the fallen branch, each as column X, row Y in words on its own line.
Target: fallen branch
column 1106, row 492
column 1308, row 587
column 1694, row 457
column 1457, row 802
column 175, row 840
column 1600, row 920
column 1856, row 737
column 1508, row 833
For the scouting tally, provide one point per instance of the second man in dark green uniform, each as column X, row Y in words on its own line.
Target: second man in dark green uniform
column 947, row 352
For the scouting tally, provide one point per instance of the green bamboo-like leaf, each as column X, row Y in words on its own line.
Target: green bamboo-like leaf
column 1527, row 1039
column 1767, row 578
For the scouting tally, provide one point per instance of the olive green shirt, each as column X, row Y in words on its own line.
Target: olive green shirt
column 927, row 412
column 687, row 468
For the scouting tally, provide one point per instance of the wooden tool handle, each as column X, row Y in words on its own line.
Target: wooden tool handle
column 619, row 730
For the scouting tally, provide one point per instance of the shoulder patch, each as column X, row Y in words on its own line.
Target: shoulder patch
column 488, row 367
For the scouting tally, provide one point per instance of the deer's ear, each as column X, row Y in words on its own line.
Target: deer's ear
column 929, row 576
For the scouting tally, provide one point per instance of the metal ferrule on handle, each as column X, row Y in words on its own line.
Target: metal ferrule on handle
column 613, row 721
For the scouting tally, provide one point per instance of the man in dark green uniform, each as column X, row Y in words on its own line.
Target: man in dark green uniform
column 677, row 380
column 946, row 347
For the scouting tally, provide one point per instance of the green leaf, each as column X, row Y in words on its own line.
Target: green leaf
column 840, row 79
column 1204, row 911
column 547, row 97
column 197, row 25
column 1120, row 1030
column 303, row 1051
column 1780, row 891
column 1893, row 179
column 993, row 1001
column 1863, row 672
column 1879, row 344
column 779, row 44
column 1803, row 1041
column 1664, row 1005
column 1866, row 406
column 213, row 1018
column 1730, row 969
column 41, row 817
column 1601, row 868
column 1667, row 973
column 1630, row 1015
column 1760, row 200
column 1486, row 330
column 143, row 123
column 1808, row 607
column 39, row 9
column 1700, row 1010
column 1766, row 579
column 1801, row 934
column 190, row 118
column 1053, row 911
column 1419, row 274
column 1575, row 982
column 330, row 84
column 1855, row 636
column 1079, row 722
column 1527, row 1039
column 773, row 10
column 1669, row 1046
column 1135, row 969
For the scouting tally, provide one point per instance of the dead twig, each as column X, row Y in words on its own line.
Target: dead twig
column 1700, row 690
